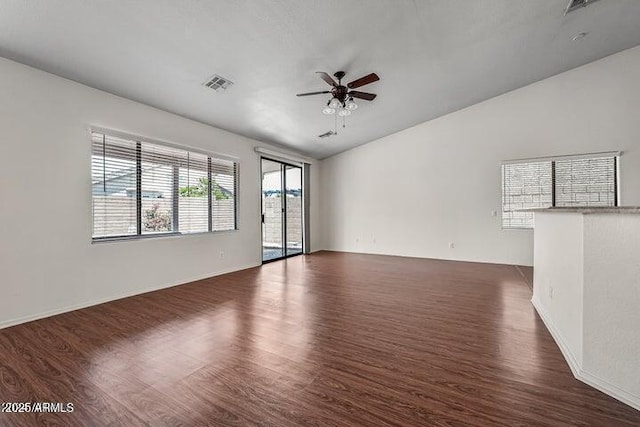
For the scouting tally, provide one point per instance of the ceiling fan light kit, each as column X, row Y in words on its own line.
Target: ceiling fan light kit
column 341, row 95
column 334, row 103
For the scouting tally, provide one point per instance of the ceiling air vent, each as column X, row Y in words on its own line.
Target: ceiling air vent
column 327, row 134
column 577, row 4
column 218, row 83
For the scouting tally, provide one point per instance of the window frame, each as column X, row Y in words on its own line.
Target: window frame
column 553, row 159
column 139, row 144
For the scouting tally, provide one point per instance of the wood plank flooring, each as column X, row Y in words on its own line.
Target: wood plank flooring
column 330, row 339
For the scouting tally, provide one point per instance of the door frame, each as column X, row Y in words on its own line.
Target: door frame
column 283, row 183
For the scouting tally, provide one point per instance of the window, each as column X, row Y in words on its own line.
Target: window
column 141, row 188
column 525, row 186
column 570, row 181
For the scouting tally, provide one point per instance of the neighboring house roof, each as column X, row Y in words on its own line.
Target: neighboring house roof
column 125, row 172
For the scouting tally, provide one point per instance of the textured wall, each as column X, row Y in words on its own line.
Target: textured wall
column 446, row 172
column 587, row 290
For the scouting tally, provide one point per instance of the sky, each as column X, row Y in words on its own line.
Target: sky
column 271, row 180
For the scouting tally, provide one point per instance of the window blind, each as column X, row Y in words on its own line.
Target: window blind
column 157, row 171
column 223, row 194
column 588, row 180
column 113, row 181
column 525, row 186
column 142, row 188
column 193, row 204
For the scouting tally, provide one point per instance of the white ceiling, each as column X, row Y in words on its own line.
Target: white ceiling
column 433, row 56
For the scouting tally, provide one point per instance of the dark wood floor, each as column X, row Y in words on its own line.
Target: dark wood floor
column 327, row 339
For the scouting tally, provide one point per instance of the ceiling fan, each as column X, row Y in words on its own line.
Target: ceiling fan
column 342, row 96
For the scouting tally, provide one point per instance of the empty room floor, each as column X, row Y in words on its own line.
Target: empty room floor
column 325, row 339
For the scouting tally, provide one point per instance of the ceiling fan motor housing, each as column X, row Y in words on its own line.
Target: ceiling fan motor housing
column 340, row 92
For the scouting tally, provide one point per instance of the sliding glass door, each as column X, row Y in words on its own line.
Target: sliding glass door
column 281, row 210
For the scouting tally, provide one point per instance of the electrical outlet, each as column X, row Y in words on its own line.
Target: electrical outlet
column 452, row 245
column 494, row 213
column 221, row 255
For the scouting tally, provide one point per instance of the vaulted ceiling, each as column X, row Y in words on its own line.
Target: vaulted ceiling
column 433, row 56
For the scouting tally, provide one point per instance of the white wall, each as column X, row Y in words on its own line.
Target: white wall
column 47, row 261
column 592, row 262
column 317, row 230
column 612, row 302
column 558, row 278
column 446, row 172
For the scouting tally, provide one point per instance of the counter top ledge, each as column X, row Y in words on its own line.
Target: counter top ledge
column 592, row 210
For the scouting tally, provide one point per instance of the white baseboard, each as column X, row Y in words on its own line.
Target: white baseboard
column 576, row 368
column 573, row 363
column 610, row 389
column 428, row 257
column 56, row 311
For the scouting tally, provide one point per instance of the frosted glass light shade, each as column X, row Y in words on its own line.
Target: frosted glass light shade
column 334, row 103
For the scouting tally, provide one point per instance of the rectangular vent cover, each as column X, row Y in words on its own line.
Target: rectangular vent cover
column 577, row 4
column 327, row 134
column 218, row 83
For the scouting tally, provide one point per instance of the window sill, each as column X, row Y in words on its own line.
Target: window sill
column 155, row 236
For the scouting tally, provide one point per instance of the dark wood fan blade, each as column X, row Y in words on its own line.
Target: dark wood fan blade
column 327, row 78
column 373, row 77
column 362, row 95
column 313, row 93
